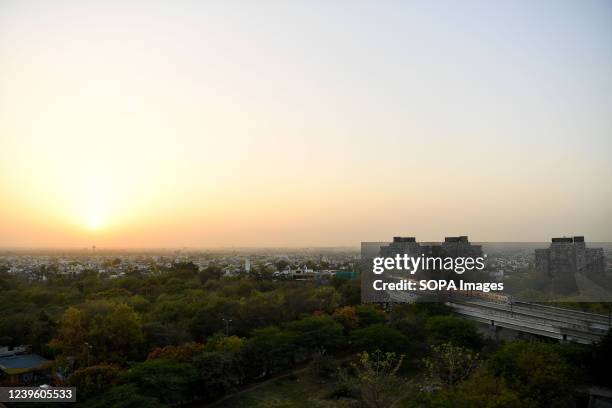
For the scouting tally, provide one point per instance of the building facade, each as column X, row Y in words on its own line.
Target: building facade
column 564, row 259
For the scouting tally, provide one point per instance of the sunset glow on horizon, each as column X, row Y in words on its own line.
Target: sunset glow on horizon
column 157, row 124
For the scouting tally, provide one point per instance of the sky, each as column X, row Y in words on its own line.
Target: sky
column 146, row 124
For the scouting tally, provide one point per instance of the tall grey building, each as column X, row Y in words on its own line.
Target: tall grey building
column 451, row 247
column 401, row 246
column 567, row 257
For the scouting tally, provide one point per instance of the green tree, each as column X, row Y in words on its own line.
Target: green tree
column 450, row 364
column 369, row 314
column 159, row 335
column 222, row 343
column 100, row 331
column 210, row 272
column 214, row 315
column 350, row 291
column 480, row 390
column 317, row 333
column 183, row 270
column 377, row 378
column 218, row 373
column 117, row 335
column 325, row 298
column 71, row 333
column 536, row 371
column 451, row 329
column 183, row 353
column 269, row 350
column 347, row 317
column 261, row 309
column 93, row 381
column 169, row 381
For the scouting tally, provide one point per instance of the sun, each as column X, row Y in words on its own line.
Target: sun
column 95, row 207
column 95, row 221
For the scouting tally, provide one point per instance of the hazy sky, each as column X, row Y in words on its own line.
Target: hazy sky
column 258, row 123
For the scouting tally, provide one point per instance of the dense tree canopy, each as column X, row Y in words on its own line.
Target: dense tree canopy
column 180, row 334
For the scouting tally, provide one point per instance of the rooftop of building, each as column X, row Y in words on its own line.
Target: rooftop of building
column 462, row 238
column 19, row 363
column 404, row 239
column 569, row 239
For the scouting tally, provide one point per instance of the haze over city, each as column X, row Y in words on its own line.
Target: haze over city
column 151, row 124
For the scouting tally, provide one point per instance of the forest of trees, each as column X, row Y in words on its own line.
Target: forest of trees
column 185, row 336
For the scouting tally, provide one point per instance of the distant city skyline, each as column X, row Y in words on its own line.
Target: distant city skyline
column 308, row 123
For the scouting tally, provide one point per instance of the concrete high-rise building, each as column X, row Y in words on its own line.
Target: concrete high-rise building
column 460, row 246
column 451, row 247
column 401, row 246
column 567, row 257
